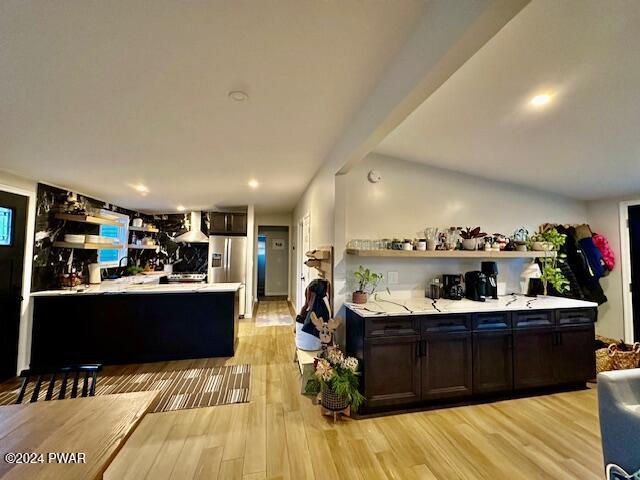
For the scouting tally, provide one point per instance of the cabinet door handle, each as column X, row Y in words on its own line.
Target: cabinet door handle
column 419, row 348
column 424, row 348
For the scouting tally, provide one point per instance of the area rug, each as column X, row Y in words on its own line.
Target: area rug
column 273, row 313
column 179, row 389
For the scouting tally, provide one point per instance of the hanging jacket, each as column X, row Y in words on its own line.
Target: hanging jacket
column 594, row 257
column 316, row 295
column 607, row 254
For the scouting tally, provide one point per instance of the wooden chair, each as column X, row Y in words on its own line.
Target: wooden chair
column 90, row 373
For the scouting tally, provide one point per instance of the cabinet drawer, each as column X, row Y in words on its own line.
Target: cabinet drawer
column 390, row 326
column 534, row 318
column 491, row 321
column 446, row 323
column 576, row 316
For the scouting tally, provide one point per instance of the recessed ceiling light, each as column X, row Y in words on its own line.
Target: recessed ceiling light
column 238, row 95
column 253, row 183
column 180, row 208
column 141, row 188
column 540, row 100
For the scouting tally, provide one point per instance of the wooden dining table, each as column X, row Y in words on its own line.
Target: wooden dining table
column 68, row 439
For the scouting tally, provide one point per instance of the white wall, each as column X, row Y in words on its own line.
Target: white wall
column 23, row 186
column 604, row 218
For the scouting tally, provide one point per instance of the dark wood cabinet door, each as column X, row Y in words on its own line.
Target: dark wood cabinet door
column 493, row 361
column 446, row 365
column 533, row 357
column 218, row 223
column 237, row 223
column 574, row 355
column 391, row 371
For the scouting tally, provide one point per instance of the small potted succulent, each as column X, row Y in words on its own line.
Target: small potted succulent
column 520, row 239
column 366, row 279
column 336, row 377
column 470, row 237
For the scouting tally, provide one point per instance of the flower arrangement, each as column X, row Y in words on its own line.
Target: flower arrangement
column 337, row 374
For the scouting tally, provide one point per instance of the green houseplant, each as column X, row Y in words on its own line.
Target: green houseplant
column 551, row 272
column 365, row 279
column 337, row 378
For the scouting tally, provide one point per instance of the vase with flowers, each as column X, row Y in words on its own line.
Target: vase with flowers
column 336, row 377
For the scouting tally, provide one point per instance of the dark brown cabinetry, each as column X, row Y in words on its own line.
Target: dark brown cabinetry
column 412, row 360
column 225, row 223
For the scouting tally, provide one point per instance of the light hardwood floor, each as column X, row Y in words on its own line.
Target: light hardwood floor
column 281, row 434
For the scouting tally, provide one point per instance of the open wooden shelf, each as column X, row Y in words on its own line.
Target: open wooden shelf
column 447, row 254
column 87, row 246
column 72, row 217
column 142, row 247
column 143, row 229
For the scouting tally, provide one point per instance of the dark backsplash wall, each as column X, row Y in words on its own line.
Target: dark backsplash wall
column 50, row 262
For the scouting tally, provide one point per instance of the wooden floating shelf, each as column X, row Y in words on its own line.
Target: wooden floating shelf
column 447, row 254
column 143, row 229
column 319, row 254
column 143, row 247
column 72, row 217
column 87, row 246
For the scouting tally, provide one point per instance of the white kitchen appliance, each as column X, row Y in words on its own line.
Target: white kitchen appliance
column 228, row 262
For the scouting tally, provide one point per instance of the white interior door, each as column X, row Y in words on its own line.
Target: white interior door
column 304, row 245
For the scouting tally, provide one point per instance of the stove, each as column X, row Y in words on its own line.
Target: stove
column 187, row 277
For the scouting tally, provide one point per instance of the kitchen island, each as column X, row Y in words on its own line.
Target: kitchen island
column 420, row 352
column 125, row 323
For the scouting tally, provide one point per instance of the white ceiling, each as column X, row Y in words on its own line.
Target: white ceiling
column 97, row 96
column 584, row 144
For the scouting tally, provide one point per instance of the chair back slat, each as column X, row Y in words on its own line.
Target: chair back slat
column 52, row 383
column 63, row 386
column 88, row 387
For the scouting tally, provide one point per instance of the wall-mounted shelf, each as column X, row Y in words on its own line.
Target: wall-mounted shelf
column 72, row 217
column 142, row 247
column 143, row 229
column 447, row 254
column 87, row 246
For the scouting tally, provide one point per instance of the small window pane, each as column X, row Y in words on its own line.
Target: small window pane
column 6, row 226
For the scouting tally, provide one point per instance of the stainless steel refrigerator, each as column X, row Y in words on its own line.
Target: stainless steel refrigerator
column 228, row 262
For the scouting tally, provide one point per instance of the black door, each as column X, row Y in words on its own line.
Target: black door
column 446, row 367
column 492, row 361
column 634, row 243
column 392, row 370
column 13, row 215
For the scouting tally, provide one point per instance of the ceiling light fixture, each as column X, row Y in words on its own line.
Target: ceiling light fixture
column 253, row 183
column 540, row 100
column 238, row 95
column 180, row 208
column 141, row 188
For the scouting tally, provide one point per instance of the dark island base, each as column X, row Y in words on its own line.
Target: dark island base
column 373, row 412
column 133, row 328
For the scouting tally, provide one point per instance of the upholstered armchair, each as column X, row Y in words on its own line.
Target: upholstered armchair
column 619, row 405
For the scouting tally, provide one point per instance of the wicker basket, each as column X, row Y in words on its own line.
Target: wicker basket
column 332, row 401
column 622, row 360
column 604, row 362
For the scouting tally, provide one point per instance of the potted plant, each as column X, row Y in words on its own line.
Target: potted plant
column 336, row 378
column 551, row 273
column 470, row 237
column 520, row 239
column 539, row 243
column 365, row 279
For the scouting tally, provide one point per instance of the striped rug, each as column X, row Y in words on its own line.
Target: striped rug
column 180, row 389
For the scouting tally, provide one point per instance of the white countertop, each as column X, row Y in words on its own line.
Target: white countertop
column 110, row 288
column 390, row 306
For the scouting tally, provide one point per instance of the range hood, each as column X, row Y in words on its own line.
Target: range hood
column 194, row 235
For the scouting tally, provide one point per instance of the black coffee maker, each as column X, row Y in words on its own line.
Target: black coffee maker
column 452, row 287
column 475, row 286
column 490, row 269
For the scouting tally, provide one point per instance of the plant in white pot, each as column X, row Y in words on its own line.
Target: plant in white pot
column 551, row 272
column 520, row 239
column 470, row 237
column 366, row 279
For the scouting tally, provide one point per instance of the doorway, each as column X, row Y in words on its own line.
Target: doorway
column 634, row 252
column 303, row 272
column 273, row 262
column 13, row 225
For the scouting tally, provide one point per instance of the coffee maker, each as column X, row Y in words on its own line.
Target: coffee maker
column 490, row 269
column 452, row 287
column 475, row 286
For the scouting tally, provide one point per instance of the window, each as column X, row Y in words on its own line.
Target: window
column 6, row 226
